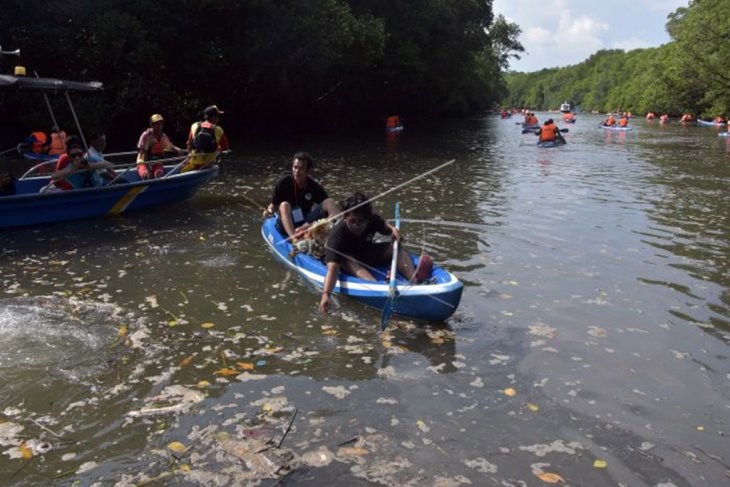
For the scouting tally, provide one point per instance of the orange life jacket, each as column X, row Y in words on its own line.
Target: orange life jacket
column 568, row 116
column 38, row 146
column 610, row 121
column 392, row 121
column 623, row 122
column 58, row 143
column 548, row 133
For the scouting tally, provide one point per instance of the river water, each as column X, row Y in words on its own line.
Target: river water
column 590, row 346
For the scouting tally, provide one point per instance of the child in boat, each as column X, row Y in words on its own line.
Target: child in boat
column 350, row 247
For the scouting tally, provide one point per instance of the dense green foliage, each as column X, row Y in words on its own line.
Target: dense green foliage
column 271, row 64
column 689, row 74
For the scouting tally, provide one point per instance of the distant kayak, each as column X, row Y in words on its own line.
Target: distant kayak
column 530, row 127
column 550, row 143
column 710, row 124
column 724, row 134
column 618, row 129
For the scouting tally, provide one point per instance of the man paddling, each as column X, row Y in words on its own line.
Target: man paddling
column 549, row 132
column 350, row 247
column 298, row 198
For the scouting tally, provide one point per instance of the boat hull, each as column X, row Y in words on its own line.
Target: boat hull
column 616, row 129
column 428, row 302
column 550, row 143
column 710, row 124
column 28, row 207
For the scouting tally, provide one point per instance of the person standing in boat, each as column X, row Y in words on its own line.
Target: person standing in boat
column 73, row 170
column 350, row 247
column 298, row 199
column 205, row 140
column 152, row 145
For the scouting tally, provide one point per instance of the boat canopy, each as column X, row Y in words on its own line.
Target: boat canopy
column 47, row 84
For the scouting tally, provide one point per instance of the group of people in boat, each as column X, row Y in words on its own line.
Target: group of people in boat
column 611, row 121
column 549, row 132
column 78, row 168
column 300, row 202
column 39, row 142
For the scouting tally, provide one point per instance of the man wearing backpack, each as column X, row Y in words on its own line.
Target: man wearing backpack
column 206, row 140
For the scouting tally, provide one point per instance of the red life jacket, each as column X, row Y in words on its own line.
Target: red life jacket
column 392, row 121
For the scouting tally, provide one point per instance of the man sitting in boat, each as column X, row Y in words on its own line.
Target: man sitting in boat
column 623, row 121
column 298, row 198
column 610, row 121
column 531, row 119
column 719, row 120
column 152, row 145
column 350, row 246
column 205, row 140
column 687, row 117
column 549, row 132
column 95, row 155
column 569, row 117
column 37, row 142
column 58, row 142
column 73, row 170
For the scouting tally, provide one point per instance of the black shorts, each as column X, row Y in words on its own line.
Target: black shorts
column 375, row 254
column 315, row 214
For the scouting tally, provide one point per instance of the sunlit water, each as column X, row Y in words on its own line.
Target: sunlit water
column 591, row 342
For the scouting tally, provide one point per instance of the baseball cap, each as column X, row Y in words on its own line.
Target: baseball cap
column 156, row 118
column 212, row 110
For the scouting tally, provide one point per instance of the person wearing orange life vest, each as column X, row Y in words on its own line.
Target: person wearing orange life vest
column 568, row 117
column 58, row 142
column 392, row 122
column 152, row 145
column 664, row 119
column 623, row 121
column 37, row 142
column 549, row 132
column 206, row 140
column 610, row 121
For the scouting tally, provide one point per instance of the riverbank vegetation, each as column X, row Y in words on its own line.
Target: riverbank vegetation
column 270, row 65
column 691, row 73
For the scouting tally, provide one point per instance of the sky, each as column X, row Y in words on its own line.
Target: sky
column 563, row 32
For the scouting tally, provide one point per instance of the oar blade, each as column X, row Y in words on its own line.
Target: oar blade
column 392, row 290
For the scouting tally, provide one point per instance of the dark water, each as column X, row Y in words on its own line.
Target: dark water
column 591, row 342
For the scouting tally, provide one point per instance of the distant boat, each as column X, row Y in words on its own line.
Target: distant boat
column 565, row 107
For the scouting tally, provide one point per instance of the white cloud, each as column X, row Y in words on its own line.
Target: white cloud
column 630, row 44
column 571, row 30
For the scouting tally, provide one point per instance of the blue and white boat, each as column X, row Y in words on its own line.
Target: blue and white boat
column 711, row 123
column 616, row 128
column 29, row 207
column 550, row 143
column 724, row 134
column 430, row 302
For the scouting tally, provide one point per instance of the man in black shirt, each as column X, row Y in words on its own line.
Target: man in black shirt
column 350, row 246
column 298, row 198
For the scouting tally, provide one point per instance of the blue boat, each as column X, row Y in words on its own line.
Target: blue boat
column 550, row 143
column 616, row 128
column 711, row 123
column 29, row 207
column 32, row 156
column 429, row 302
column 527, row 126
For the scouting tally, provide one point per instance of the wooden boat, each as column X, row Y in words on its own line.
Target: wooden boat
column 29, row 207
column 429, row 302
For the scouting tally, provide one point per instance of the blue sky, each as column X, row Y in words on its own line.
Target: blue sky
column 563, row 32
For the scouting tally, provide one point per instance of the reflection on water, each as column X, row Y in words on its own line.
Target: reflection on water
column 596, row 311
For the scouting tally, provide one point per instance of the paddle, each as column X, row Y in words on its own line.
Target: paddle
column 534, row 131
column 392, row 290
